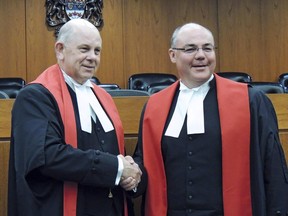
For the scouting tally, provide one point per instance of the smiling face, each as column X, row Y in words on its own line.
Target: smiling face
column 195, row 67
column 78, row 53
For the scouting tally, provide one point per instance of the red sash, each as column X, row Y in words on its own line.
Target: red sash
column 53, row 80
column 233, row 104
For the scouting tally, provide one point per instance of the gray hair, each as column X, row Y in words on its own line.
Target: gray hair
column 177, row 30
column 68, row 29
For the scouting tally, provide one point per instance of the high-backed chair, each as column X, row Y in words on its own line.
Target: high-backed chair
column 268, row 87
column 127, row 92
column 156, row 87
column 3, row 95
column 95, row 80
column 283, row 80
column 106, row 86
column 236, row 76
column 109, row 86
column 142, row 81
column 11, row 85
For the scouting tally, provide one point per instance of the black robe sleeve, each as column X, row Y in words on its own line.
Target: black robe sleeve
column 40, row 152
column 269, row 173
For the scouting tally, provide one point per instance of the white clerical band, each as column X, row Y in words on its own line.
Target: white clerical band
column 97, row 108
column 83, row 107
column 195, row 113
column 189, row 101
column 88, row 106
column 179, row 114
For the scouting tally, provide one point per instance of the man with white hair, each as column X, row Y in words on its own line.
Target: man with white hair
column 67, row 141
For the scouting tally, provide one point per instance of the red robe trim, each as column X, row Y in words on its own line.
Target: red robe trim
column 52, row 79
column 235, row 132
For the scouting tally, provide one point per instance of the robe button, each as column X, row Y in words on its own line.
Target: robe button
column 190, row 137
column 98, row 129
column 190, row 197
column 190, row 153
column 97, row 152
column 278, row 213
column 102, row 141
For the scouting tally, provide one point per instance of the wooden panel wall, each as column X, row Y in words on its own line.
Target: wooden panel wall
column 252, row 36
column 40, row 39
column 147, row 34
column 13, row 39
column 274, row 24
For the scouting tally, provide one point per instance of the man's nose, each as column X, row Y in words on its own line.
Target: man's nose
column 200, row 53
column 92, row 55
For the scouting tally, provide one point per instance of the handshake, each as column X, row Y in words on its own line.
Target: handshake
column 131, row 175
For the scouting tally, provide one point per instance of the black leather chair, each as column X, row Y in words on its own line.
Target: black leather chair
column 142, row 81
column 3, row 95
column 156, row 87
column 268, row 87
column 236, row 76
column 106, row 86
column 11, row 86
column 95, row 80
column 109, row 86
column 283, row 80
column 127, row 93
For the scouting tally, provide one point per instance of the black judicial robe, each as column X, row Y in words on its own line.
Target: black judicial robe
column 268, row 169
column 40, row 164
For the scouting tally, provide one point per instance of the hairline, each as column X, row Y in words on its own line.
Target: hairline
column 179, row 28
column 67, row 30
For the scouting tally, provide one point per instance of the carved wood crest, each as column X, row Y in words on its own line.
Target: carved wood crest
column 58, row 12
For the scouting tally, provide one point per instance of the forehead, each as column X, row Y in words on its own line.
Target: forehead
column 88, row 36
column 194, row 35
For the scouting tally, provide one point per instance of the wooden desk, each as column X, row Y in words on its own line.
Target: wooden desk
column 130, row 110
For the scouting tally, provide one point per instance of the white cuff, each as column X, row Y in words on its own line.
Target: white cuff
column 120, row 170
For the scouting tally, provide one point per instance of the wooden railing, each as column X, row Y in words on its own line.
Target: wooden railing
column 130, row 110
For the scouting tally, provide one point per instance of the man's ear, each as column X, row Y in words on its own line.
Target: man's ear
column 59, row 48
column 171, row 53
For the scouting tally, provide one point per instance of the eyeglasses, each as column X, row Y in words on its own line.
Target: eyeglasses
column 194, row 49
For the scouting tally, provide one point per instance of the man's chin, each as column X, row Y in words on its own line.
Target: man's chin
column 201, row 76
column 88, row 72
column 201, row 73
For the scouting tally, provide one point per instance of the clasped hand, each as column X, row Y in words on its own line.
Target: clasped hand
column 131, row 175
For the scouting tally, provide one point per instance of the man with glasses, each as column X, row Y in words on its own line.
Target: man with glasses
column 210, row 145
